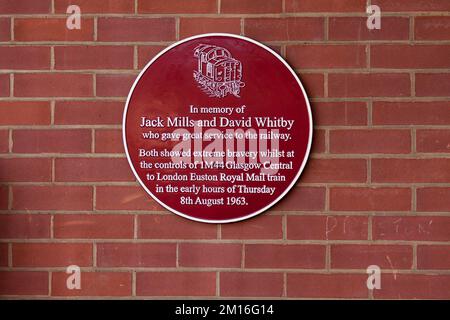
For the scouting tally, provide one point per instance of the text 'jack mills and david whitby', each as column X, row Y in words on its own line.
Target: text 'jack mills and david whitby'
column 222, row 122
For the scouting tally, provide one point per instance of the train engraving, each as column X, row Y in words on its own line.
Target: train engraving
column 218, row 73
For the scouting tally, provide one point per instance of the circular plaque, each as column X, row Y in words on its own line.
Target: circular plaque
column 217, row 128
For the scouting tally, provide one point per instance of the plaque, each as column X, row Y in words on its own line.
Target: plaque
column 217, row 128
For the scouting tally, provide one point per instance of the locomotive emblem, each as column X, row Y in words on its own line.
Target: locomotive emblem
column 218, row 73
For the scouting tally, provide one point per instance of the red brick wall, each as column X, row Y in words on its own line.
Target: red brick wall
column 376, row 189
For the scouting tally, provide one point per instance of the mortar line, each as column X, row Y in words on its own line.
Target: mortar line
column 95, row 29
column 218, row 281
column 177, row 28
column 50, row 279
column 135, row 226
column 93, row 146
column 52, row 112
column 94, row 254
column 11, row 86
column 12, row 28
column 52, row 58
column 52, row 226
column 10, row 141
column 133, row 283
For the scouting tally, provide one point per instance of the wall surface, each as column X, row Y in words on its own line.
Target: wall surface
column 376, row 190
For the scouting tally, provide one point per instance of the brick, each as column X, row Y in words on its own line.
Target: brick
column 313, row 84
column 125, row 198
column 409, row 56
column 433, row 199
column 52, row 198
column 214, row 255
column 414, row 286
column 25, row 6
column 433, row 141
column 4, row 196
column 114, row 85
column 325, row 6
column 250, row 6
column 369, row 141
column 23, row 283
column 51, row 29
column 169, row 226
column 94, row 57
column 354, row 256
column 318, row 144
column 335, row 170
column 147, row 53
column 340, row 113
column 416, row 5
column 433, row 257
column 22, row 57
column 369, row 85
column 355, row 29
column 25, row 113
column 427, row 228
column 4, row 141
column 108, row 141
column 284, row 256
column 24, row 226
column 3, row 254
column 194, row 26
column 92, row 169
column 52, row 141
column 284, row 29
column 327, row 228
column 370, row 199
column 411, row 170
column 304, row 285
column 177, row 6
column 251, row 284
column 53, row 85
column 176, row 284
column 433, row 84
column 302, row 199
column 411, row 113
column 326, row 56
column 261, row 227
column 25, row 170
column 136, row 254
column 51, row 254
column 104, row 284
column 90, row 226
column 88, row 112
column 432, row 28
column 4, row 85
column 136, row 29
column 5, row 29
column 97, row 6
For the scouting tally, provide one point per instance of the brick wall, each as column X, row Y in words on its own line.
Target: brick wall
column 375, row 191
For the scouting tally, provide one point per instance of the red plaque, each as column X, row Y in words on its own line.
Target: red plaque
column 217, row 128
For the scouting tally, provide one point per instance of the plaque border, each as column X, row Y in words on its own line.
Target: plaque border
column 308, row 106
